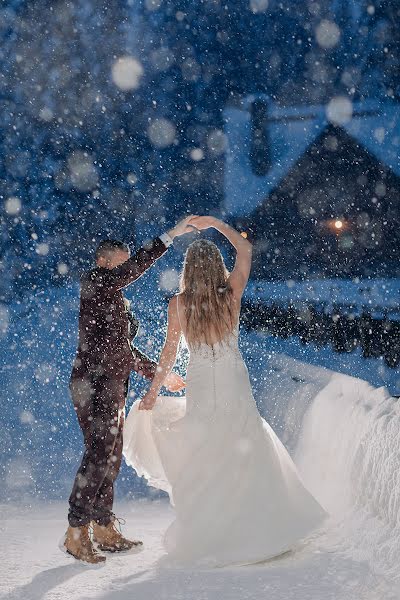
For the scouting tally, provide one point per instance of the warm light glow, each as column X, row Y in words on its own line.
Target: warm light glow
column 244, row 234
column 337, row 226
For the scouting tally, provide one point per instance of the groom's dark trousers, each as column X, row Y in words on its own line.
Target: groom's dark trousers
column 99, row 382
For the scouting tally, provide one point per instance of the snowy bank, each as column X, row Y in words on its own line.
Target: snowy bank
column 344, row 435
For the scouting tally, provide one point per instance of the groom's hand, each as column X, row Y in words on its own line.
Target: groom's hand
column 174, row 382
column 182, row 227
column 148, row 402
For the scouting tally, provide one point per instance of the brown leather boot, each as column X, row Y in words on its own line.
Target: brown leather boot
column 110, row 539
column 78, row 543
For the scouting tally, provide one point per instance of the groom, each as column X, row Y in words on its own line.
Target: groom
column 99, row 387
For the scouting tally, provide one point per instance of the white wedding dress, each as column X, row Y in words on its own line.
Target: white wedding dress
column 237, row 494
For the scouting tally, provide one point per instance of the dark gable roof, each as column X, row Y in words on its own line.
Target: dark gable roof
column 291, row 130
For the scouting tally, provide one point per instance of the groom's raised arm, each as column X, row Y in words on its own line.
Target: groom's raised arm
column 115, row 279
column 134, row 267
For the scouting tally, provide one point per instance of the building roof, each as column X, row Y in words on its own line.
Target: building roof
column 291, row 130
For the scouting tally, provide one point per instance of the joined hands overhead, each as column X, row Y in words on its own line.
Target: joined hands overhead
column 184, row 226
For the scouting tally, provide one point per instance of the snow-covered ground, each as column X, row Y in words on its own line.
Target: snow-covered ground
column 344, row 435
column 32, row 568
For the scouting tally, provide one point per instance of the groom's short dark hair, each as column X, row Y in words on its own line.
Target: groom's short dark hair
column 107, row 246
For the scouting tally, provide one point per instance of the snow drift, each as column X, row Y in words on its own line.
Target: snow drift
column 345, row 438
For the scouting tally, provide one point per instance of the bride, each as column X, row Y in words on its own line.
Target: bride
column 237, row 495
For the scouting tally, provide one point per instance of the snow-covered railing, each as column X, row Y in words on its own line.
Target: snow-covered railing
column 375, row 296
column 347, row 316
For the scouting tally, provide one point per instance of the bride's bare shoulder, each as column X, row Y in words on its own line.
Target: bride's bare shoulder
column 174, row 310
column 175, row 303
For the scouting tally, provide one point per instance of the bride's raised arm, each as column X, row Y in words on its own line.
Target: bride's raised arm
column 167, row 356
column 241, row 271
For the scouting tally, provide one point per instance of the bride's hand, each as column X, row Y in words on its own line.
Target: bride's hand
column 148, row 401
column 204, row 222
column 174, row 382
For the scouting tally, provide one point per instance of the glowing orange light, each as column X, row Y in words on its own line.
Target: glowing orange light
column 244, row 234
column 337, row 226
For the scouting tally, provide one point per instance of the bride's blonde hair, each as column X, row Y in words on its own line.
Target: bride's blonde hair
column 206, row 293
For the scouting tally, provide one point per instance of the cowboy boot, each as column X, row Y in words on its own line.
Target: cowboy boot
column 110, row 539
column 78, row 543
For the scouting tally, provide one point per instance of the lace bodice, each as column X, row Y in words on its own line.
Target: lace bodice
column 229, row 346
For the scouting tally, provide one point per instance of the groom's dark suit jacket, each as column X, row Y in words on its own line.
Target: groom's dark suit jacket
column 105, row 337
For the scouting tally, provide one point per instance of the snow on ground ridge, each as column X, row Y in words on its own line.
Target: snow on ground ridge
column 347, row 453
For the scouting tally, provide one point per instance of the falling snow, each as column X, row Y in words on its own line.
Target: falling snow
column 283, row 118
